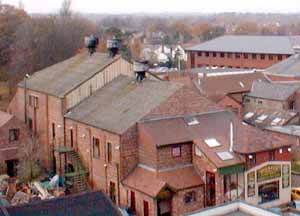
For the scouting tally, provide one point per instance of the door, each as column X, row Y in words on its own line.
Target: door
column 210, row 189
column 11, row 167
column 112, row 192
column 146, row 208
column 132, row 201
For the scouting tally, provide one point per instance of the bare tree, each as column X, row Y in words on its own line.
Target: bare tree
column 30, row 167
column 65, row 9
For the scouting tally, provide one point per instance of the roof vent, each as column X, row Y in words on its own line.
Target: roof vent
column 91, row 43
column 140, row 69
column 113, row 46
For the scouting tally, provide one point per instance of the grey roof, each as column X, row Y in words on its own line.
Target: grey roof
column 122, row 103
column 288, row 67
column 273, row 91
column 63, row 77
column 250, row 44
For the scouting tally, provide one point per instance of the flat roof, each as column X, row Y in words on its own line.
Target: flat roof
column 250, row 44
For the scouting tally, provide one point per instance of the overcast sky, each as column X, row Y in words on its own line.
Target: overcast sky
column 157, row 6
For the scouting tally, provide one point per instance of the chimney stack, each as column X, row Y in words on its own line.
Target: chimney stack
column 91, row 43
column 112, row 47
column 140, row 69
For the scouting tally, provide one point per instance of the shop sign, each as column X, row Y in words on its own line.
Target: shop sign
column 268, row 172
column 285, row 176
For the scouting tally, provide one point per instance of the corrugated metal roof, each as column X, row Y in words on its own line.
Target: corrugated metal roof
column 61, row 78
column 250, row 44
column 272, row 91
column 288, row 67
column 122, row 103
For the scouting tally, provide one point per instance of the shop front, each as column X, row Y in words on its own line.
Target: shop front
column 268, row 184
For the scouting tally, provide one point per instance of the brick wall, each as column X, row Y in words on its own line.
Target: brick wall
column 179, row 207
column 166, row 160
column 262, row 157
column 231, row 105
column 147, row 150
column 215, row 59
column 12, row 154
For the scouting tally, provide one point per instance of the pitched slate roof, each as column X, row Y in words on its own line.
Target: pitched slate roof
column 250, row 44
column 289, row 67
column 151, row 182
column 272, row 91
column 216, row 87
column 62, row 77
column 88, row 204
column 122, row 103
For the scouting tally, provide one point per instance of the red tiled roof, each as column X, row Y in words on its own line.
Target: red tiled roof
column 216, row 87
column 151, row 182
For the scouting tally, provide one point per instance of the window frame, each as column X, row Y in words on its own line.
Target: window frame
column 176, row 155
column 109, row 152
column 190, row 197
column 96, row 147
column 15, row 133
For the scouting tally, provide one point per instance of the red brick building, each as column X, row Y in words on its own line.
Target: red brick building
column 13, row 135
column 51, row 92
column 242, row 51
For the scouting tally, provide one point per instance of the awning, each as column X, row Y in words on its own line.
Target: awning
column 231, row 169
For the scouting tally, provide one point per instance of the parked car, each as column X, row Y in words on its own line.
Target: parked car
column 296, row 193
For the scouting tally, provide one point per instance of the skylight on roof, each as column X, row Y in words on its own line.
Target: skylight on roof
column 190, row 120
column 276, row 121
column 225, row 155
column 248, row 115
column 261, row 118
column 242, row 84
column 212, row 142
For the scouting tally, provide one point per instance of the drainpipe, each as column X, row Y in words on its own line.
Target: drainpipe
column 25, row 97
column 231, row 137
column 91, row 158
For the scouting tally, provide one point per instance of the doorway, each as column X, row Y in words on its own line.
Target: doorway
column 164, row 203
column 11, row 167
column 210, row 189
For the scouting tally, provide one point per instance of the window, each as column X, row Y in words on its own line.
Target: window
column 262, row 56
column 198, row 151
column 207, row 54
column 279, row 57
column 33, row 101
column 248, row 115
column 146, row 208
column 222, row 55
column 271, row 57
column 253, row 56
column 247, row 100
column 109, row 152
column 237, row 55
column 225, row 155
column 192, row 60
column 190, row 197
column 229, row 55
column 30, row 123
column 191, row 120
column 271, row 155
column 259, row 102
column 176, row 151
column 53, row 131
column 292, row 105
column 199, row 54
column 14, row 135
column 71, row 138
column 96, row 147
column 214, row 54
column 245, row 56
column 212, row 142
